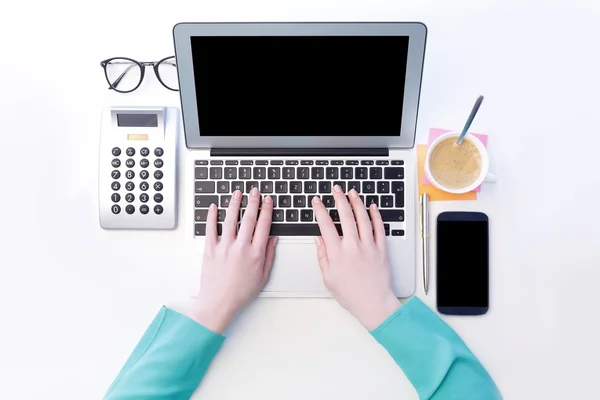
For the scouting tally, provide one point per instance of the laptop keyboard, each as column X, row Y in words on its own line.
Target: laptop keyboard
column 293, row 183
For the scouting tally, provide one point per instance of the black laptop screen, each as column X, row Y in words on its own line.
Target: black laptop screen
column 299, row 85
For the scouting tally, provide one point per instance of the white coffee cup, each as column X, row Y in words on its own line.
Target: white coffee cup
column 484, row 175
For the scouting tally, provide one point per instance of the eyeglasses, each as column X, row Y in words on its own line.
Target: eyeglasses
column 124, row 75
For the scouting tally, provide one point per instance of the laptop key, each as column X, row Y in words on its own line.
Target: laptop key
column 392, row 215
column 246, row 162
column 328, row 201
column 260, row 173
column 289, row 173
column 366, row 162
column 295, row 187
column 394, row 173
column 221, row 215
column 351, row 162
column 346, row 173
column 245, row 173
column 299, row 230
column 397, row 232
column 277, row 215
column 262, row 162
column 200, row 215
column 276, row 162
column 306, row 162
column 375, row 173
column 361, row 173
column 205, row 187
column 341, row 184
column 291, row 162
column 372, row 200
column 331, row 173
column 223, row 187
column 397, row 162
column 244, row 201
column 230, row 173
column 337, row 162
column 317, row 173
column 299, row 201
column 291, row 215
column 398, row 190
column 200, row 229
column 368, row 187
column 231, row 162
column 216, row 172
column 225, row 200
column 237, row 185
column 201, row 173
column 324, row 187
column 285, row 201
column 335, row 216
column 281, row 187
column 250, row 185
column 303, row 173
column 383, row 187
column 354, row 185
column 310, row 187
column 204, row 201
column 322, row 162
column 274, row 172
column 306, row 215
column 387, row 201
column 310, row 197
column 382, row 162
column 266, row 187
column 216, row 162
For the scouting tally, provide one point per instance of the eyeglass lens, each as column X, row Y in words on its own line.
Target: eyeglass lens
column 167, row 71
column 123, row 75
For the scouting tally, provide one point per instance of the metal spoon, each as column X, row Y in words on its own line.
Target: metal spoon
column 470, row 119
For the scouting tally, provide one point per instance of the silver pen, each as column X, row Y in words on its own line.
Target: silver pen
column 424, row 201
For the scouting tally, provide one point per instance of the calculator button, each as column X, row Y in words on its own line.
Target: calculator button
column 129, row 174
column 115, row 209
column 130, row 186
column 158, row 152
column 116, row 151
column 144, row 163
column 115, row 186
column 130, row 209
column 116, row 163
column 158, row 209
column 144, row 152
column 130, row 151
column 115, row 197
column 144, row 197
column 144, row 209
column 158, row 186
column 144, row 174
column 115, row 174
column 158, row 174
column 158, row 198
column 144, row 186
column 158, row 163
column 129, row 197
column 130, row 163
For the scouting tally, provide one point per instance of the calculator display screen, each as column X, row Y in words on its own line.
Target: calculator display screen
column 137, row 120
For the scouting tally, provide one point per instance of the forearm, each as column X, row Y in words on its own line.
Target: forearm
column 433, row 357
column 168, row 362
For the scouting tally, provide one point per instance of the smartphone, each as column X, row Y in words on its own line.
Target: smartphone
column 462, row 263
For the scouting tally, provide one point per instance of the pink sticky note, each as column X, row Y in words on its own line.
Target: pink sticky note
column 435, row 133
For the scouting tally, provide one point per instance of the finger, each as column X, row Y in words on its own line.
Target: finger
column 378, row 228
column 322, row 254
column 269, row 257
column 231, row 218
column 263, row 226
column 362, row 218
column 249, row 219
column 211, row 239
column 345, row 212
column 328, row 232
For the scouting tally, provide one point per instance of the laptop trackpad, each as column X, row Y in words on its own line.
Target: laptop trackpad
column 296, row 270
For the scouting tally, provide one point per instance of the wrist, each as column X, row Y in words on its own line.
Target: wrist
column 379, row 312
column 211, row 317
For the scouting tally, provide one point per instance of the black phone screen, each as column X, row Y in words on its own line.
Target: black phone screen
column 462, row 263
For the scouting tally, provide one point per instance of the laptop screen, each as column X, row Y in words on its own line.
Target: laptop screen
column 299, row 85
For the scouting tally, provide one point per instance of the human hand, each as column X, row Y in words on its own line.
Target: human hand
column 355, row 267
column 236, row 268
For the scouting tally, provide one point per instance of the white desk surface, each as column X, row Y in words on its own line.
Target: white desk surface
column 76, row 299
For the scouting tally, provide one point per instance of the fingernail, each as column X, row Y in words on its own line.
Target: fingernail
column 237, row 195
column 353, row 194
column 317, row 241
column 212, row 207
column 268, row 200
column 316, row 200
column 337, row 188
column 374, row 206
column 254, row 192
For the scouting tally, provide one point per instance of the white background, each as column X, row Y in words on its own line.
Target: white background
column 75, row 299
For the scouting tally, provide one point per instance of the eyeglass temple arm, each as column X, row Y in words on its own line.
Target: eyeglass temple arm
column 118, row 80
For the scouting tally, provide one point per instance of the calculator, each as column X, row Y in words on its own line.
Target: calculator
column 137, row 171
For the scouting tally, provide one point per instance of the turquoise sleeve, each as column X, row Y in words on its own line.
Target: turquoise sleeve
column 168, row 362
column 433, row 357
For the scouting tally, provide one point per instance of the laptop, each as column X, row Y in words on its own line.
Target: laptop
column 293, row 109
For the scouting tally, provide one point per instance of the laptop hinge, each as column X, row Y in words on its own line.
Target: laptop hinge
column 300, row 152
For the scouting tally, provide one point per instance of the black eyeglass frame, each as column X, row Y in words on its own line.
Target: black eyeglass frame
column 141, row 65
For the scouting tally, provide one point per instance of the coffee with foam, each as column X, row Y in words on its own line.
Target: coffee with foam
column 454, row 166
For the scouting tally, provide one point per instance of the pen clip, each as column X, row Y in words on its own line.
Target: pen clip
column 421, row 214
